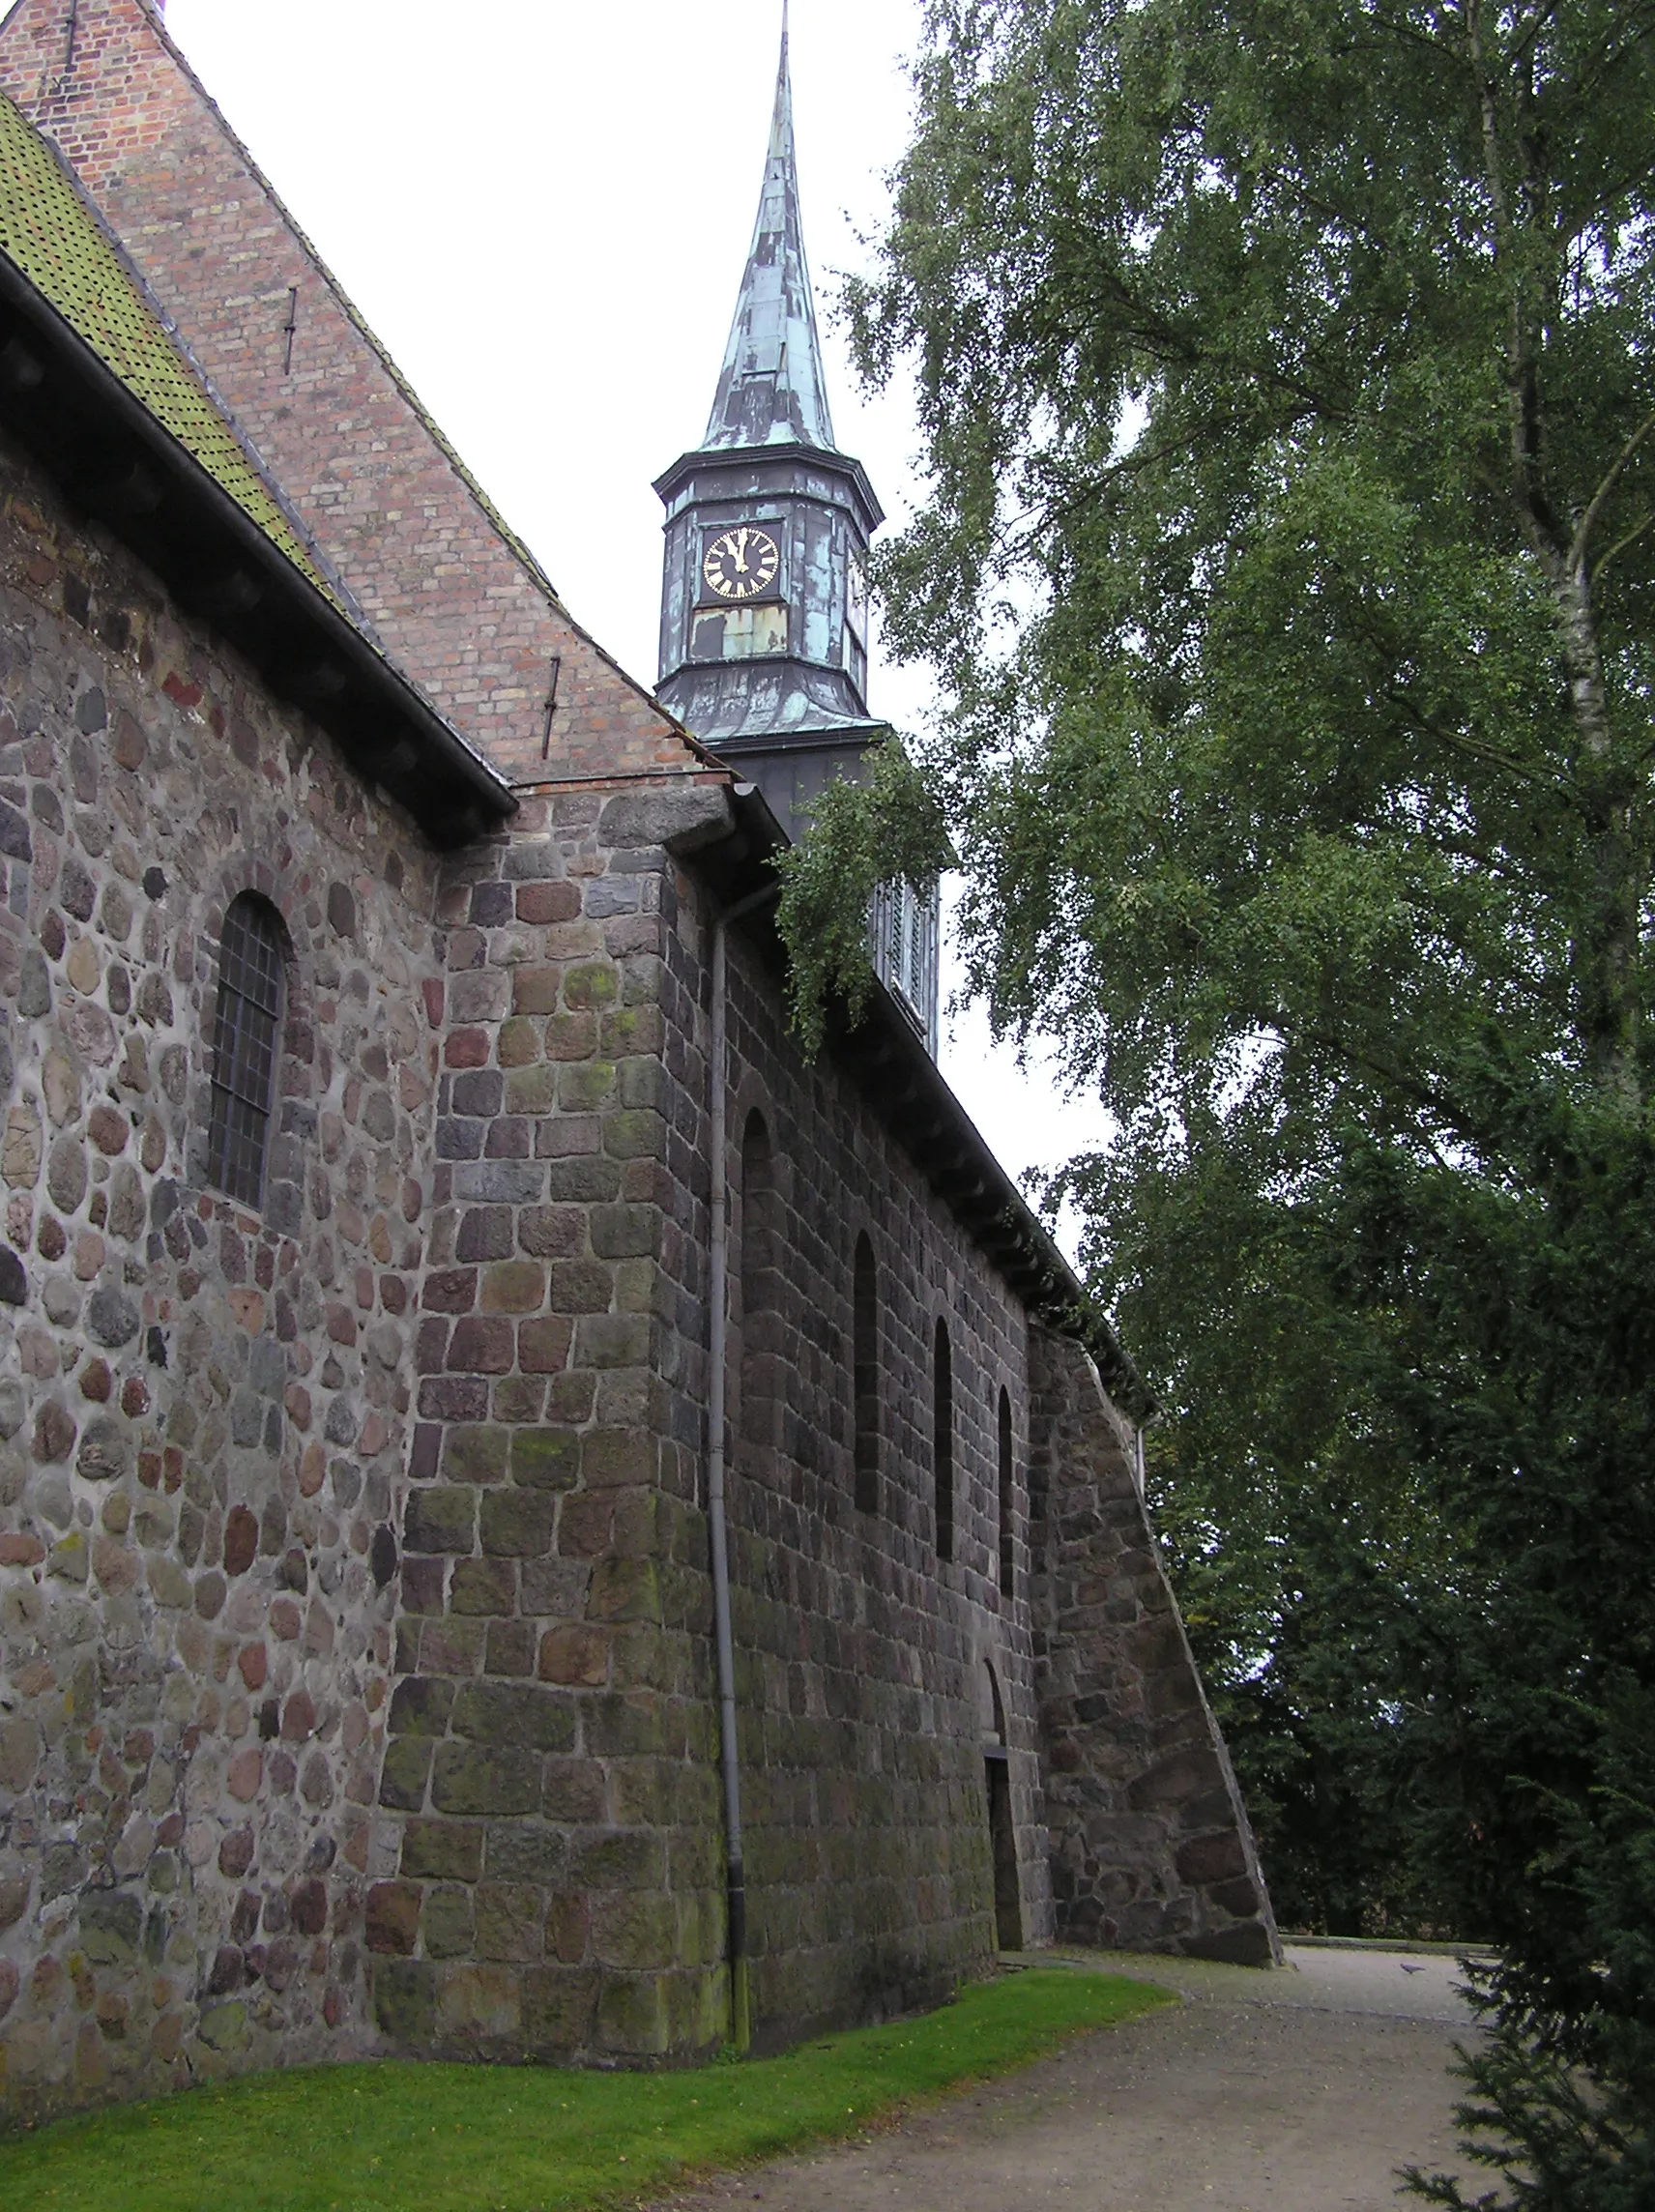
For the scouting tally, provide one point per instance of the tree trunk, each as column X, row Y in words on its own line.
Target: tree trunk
column 1605, row 944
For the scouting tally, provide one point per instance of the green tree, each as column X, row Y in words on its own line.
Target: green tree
column 1288, row 395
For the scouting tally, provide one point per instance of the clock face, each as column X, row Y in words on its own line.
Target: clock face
column 742, row 563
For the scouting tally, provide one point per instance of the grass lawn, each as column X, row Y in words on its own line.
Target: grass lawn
column 477, row 2138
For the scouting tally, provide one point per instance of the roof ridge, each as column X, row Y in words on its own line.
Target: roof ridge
column 517, row 544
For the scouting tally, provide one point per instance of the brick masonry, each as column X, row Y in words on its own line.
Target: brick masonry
column 458, row 602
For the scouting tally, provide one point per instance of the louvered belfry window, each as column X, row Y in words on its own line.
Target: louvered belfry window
column 245, row 1039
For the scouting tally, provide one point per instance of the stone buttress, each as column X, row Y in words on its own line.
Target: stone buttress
column 1150, row 1847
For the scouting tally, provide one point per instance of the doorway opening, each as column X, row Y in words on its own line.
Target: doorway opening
column 1007, row 1901
column 1003, row 1835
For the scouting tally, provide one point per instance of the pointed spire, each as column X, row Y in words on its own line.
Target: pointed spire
column 772, row 389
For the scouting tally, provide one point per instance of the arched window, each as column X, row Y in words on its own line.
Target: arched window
column 943, row 1439
column 246, row 1033
column 1006, row 1497
column 762, row 1394
column 865, row 1375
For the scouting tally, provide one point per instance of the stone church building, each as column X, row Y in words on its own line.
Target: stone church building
column 533, row 1521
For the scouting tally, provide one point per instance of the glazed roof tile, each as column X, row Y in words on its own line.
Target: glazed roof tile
column 56, row 239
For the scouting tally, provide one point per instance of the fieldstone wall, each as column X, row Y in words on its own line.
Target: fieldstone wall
column 356, row 1681
column 1149, row 1841
column 204, row 1408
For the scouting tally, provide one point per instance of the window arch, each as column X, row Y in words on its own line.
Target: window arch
column 991, row 1705
column 1007, row 1496
column 761, row 1299
column 246, row 1040
column 865, row 1374
column 942, row 1439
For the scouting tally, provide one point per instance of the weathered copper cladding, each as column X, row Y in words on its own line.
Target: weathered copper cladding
column 781, row 683
column 772, row 389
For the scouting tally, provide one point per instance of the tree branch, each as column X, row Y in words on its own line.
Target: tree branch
column 1585, row 88
column 1425, row 1095
column 1600, row 498
column 1399, row 28
column 1621, row 543
column 1427, row 726
column 1523, row 43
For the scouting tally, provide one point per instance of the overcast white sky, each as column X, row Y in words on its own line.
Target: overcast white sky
column 543, row 208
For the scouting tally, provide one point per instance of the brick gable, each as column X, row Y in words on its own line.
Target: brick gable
column 455, row 599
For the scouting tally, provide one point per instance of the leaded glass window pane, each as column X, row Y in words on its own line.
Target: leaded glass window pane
column 245, row 1044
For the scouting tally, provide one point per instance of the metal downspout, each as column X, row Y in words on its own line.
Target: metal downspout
column 718, row 1332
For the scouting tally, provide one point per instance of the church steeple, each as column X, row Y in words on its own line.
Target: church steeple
column 764, row 604
column 772, row 389
column 765, row 592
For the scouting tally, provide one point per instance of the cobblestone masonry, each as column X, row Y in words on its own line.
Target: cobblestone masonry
column 458, row 602
column 204, row 1411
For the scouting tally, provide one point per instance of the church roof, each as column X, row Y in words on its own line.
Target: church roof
column 101, row 394
column 451, row 598
column 772, row 389
column 52, row 236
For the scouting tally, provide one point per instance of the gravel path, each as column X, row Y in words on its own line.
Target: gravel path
column 1300, row 2091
